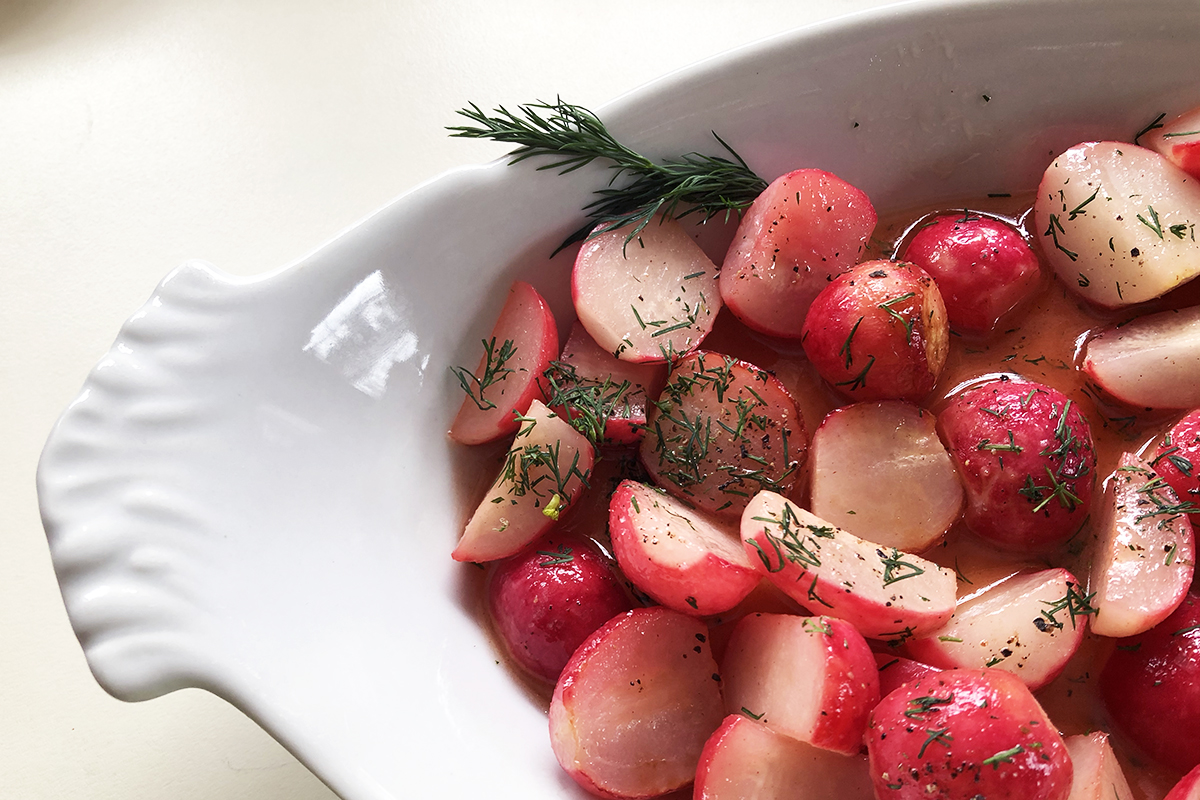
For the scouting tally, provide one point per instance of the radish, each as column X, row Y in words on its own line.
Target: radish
column 1188, row 787
column 747, row 760
column 1118, row 223
column 1145, row 553
column 1177, row 455
column 1098, row 775
column 811, row 678
column 1151, row 362
column 547, row 465
column 675, row 554
column 886, row 593
column 523, row 341
column 1029, row 625
column 635, row 704
column 806, row 228
column 895, row 671
column 1179, row 141
column 880, row 472
column 647, row 299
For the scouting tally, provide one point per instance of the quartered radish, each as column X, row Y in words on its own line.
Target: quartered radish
column 895, row 671
column 1188, row 787
column 1179, row 141
column 1098, row 775
column 523, row 342
column 811, row 678
column 1177, row 457
column 1145, row 552
column 1029, row 625
column 678, row 556
column 722, row 430
column 1151, row 362
column 599, row 393
column 884, row 592
column 880, row 472
column 807, row 227
column 635, row 705
column 547, row 465
column 747, row 760
column 1118, row 222
column 652, row 297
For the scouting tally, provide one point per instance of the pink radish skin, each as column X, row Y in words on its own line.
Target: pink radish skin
column 527, row 323
column 1188, row 787
column 811, row 678
column 635, row 705
column 1145, row 552
column 676, row 555
column 886, row 593
column 746, row 760
column 895, row 671
column 1179, row 141
column 511, row 514
column 1021, row 625
column 806, row 228
column 1177, row 457
column 1151, row 362
column 983, row 267
column 1098, row 775
column 654, row 297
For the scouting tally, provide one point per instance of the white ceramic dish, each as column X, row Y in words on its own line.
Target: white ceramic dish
column 253, row 493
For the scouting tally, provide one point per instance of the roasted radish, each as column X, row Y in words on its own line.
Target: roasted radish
column 1151, row 362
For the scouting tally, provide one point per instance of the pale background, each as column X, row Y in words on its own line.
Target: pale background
column 135, row 134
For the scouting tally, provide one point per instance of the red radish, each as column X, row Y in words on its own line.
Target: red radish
column 811, row 678
column 1151, row 686
column 887, row 594
column 1117, row 223
column 1188, row 787
column 895, row 671
column 721, row 430
column 599, row 394
column 880, row 472
column 1151, row 362
column 1177, row 456
column 647, row 299
column 549, row 599
column 523, row 342
column 1024, row 452
column 548, row 464
column 676, row 555
column 879, row 332
column 1029, row 625
column 966, row 734
column 807, row 227
column 635, row 705
column 746, row 760
column 1145, row 553
column 983, row 267
column 1179, row 141
column 1098, row 775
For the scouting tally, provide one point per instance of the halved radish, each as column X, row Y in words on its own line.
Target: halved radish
column 547, row 465
column 523, row 342
column 1098, row 775
column 1118, row 223
column 746, row 760
column 1188, row 787
column 675, row 554
column 722, row 430
column 880, row 472
column 635, row 704
column 649, row 299
column 895, row 671
column 1029, row 625
column 807, row 227
column 1145, row 552
column 884, row 592
column 1151, row 362
column 1179, row 141
column 811, row 678
column 1177, row 457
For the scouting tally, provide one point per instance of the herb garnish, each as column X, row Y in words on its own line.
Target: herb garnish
column 493, row 371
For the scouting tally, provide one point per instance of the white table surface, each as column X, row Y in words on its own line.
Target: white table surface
column 135, row 134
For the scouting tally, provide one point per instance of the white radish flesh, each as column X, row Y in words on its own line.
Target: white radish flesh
column 1151, row 362
column 1179, row 141
column 1098, row 775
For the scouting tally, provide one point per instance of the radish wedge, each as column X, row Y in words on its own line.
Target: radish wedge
column 746, row 760
column 811, row 678
column 1029, row 625
column 1188, row 787
column 523, row 342
column 1098, row 775
column 635, row 704
column 1145, row 554
column 886, row 593
column 1179, row 141
column 1151, row 362
column 880, row 472
column 650, row 298
column 1117, row 223
column 895, row 671
column 547, row 465
column 675, row 554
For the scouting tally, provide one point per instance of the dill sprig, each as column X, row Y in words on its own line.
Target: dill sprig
column 574, row 137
